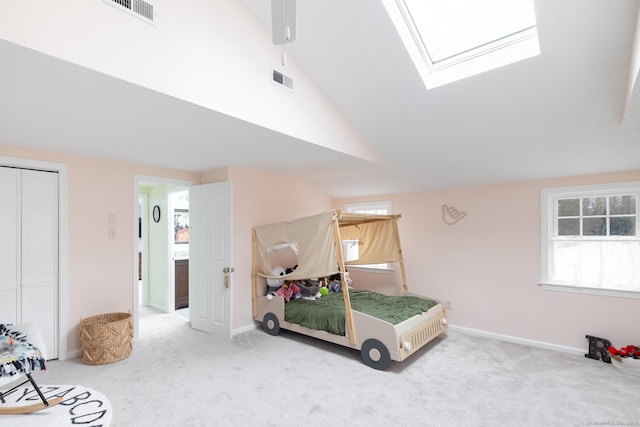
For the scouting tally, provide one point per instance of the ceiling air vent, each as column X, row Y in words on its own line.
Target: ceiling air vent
column 282, row 80
column 138, row 8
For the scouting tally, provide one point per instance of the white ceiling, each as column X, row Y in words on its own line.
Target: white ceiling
column 559, row 114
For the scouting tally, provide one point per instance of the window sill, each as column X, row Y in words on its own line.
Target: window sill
column 369, row 269
column 590, row 291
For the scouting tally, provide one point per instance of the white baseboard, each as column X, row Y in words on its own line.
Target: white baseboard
column 244, row 329
column 72, row 354
column 518, row 340
column 540, row 344
column 478, row 332
column 158, row 307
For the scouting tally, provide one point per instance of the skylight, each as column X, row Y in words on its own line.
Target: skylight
column 449, row 40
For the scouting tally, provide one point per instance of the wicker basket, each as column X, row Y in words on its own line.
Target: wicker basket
column 106, row 338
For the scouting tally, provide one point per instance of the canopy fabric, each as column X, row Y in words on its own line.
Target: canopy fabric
column 313, row 240
column 377, row 241
column 312, row 237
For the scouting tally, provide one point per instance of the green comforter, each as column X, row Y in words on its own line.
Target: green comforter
column 328, row 314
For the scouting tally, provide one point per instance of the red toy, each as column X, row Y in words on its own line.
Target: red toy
column 629, row 351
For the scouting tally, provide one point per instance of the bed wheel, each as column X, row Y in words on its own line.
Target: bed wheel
column 271, row 324
column 375, row 354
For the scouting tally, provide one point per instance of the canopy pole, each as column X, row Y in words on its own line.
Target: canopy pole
column 400, row 256
column 350, row 329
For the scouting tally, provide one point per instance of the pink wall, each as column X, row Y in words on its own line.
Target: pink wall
column 488, row 264
column 100, row 269
column 261, row 198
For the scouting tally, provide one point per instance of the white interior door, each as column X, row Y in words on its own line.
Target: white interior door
column 210, row 288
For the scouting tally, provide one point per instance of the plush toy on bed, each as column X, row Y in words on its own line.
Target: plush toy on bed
column 334, row 282
column 288, row 291
column 291, row 269
column 335, row 286
column 272, row 283
column 308, row 290
column 348, row 279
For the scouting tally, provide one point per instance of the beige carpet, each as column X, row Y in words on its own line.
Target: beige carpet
column 180, row 377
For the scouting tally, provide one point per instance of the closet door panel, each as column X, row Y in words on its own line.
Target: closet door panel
column 39, row 228
column 39, row 247
column 8, row 306
column 38, row 306
column 40, row 253
column 10, row 245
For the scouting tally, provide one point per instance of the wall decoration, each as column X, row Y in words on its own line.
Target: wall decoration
column 598, row 349
column 451, row 215
column 181, row 225
column 156, row 213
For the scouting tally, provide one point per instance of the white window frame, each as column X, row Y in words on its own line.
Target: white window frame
column 507, row 50
column 548, row 225
column 382, row 207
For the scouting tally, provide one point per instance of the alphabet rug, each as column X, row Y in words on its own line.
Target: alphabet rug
column 80, row 406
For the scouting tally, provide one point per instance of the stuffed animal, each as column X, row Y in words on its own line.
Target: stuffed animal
column 335, row 282
column 347, row 278
column 308, row 290
column 335, row 286
column 274, row 283
column 288, row 291
column 291, row 269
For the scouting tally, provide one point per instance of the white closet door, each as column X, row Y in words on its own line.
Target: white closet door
column 10, row 247
column 29, row 251
column 40, row 254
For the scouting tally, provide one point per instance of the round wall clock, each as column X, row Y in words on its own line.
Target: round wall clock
column 156, row 213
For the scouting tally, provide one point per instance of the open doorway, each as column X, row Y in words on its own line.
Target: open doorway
column 179, row 243
column 142, row 249
column 157, row 201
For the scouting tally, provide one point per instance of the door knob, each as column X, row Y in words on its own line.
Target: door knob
column 227, row 271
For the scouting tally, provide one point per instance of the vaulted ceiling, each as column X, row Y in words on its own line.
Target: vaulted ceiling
column 569, row 111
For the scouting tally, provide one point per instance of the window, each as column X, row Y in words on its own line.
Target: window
column 449, row 40
column 376, row 208
column 591, row 239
